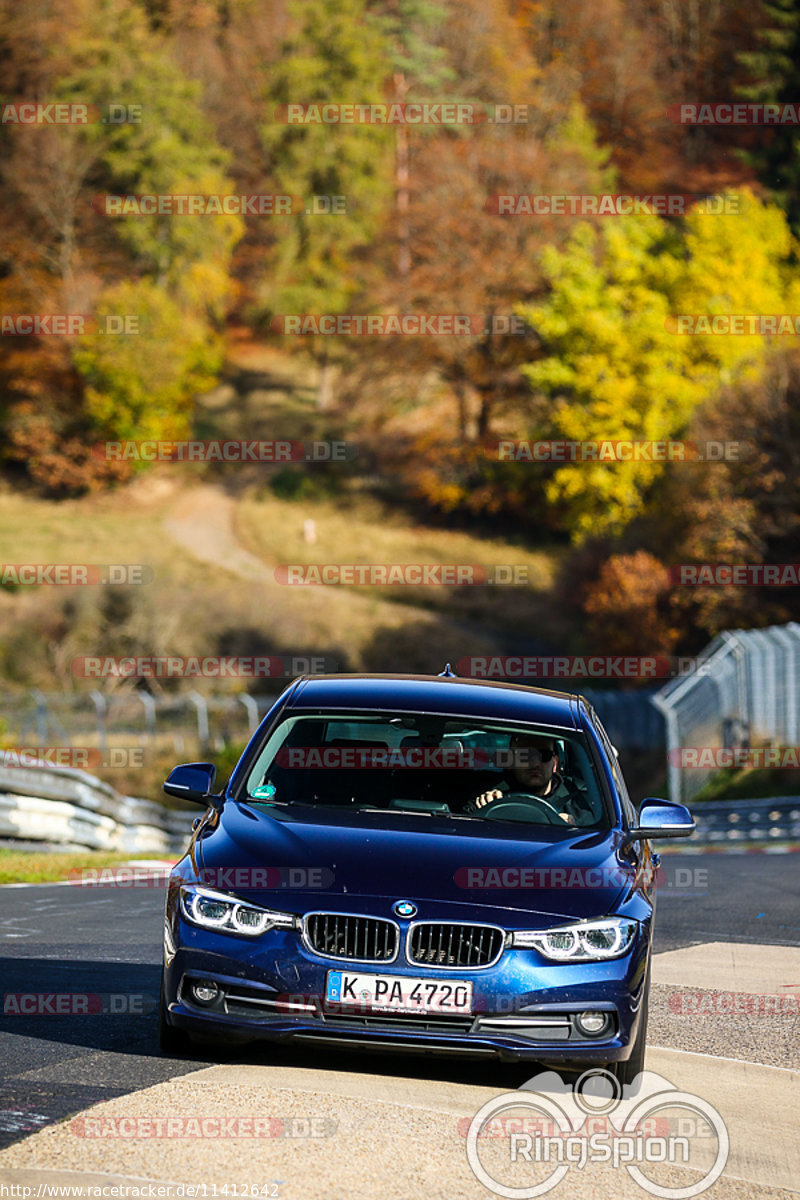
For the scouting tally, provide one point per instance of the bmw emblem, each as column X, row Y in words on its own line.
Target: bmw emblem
column 404, row 908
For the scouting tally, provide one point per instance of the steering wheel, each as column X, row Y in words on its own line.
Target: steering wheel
column 515, row 806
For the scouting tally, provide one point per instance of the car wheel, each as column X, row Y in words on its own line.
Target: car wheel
column 627, row 1071
column 171, row 1041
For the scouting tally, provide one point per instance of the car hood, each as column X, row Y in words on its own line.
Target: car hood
column 363, row 862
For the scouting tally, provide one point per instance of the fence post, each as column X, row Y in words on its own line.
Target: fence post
column 101, row 708
column 45, row 719
column 149, row 705
column 252, row 710
column 202, row 718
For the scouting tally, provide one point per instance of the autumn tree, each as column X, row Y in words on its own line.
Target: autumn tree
column 617, row 366
column 440, row 397
column 331, row 54
column 178, row 267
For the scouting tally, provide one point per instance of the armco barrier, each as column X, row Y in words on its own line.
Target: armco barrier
column 726, row 822
column 70, row 807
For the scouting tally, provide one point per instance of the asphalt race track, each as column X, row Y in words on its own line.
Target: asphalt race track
column 106, row 943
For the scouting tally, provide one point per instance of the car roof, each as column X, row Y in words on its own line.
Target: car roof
column 445, row 695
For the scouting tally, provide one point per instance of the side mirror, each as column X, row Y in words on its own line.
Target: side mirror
column 662, row 818
column 193, row 781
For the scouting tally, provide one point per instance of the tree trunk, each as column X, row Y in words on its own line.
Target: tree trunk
column 401, row 178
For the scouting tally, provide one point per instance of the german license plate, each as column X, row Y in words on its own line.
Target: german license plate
column 398, row 993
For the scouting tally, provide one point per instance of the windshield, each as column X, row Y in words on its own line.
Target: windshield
column 437, row 765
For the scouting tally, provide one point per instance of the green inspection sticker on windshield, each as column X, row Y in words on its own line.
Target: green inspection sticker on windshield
column 264, row 791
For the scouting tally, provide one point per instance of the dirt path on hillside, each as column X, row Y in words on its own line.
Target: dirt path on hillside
column 202, row 523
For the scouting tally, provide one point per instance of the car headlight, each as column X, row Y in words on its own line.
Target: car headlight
column 607, row 938
column 227, row 914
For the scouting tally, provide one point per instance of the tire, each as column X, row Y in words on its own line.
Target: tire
column 627, row 1071
column 172, row 1042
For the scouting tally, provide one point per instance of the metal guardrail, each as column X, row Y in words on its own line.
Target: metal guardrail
column 768, row 820
column 74, row 809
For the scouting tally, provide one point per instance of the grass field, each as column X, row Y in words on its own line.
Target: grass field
column 357, row 530
column 196, row 599
column 189, row 606
column 753, row 784
column 42, row 866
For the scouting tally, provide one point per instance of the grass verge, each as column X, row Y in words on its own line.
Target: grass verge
column 42, row 866
column 753, row 784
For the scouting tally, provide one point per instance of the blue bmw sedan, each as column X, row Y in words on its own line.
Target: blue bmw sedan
column 422, row 863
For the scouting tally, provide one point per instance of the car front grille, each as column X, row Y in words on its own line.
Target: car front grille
column 437, row 944
column 359, row 939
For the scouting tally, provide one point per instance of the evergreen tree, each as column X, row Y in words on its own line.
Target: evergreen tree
column 774, row 78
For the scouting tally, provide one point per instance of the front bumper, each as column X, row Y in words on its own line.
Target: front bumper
column 524, row 1008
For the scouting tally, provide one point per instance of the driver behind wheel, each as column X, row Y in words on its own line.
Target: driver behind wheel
column 534, row 774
